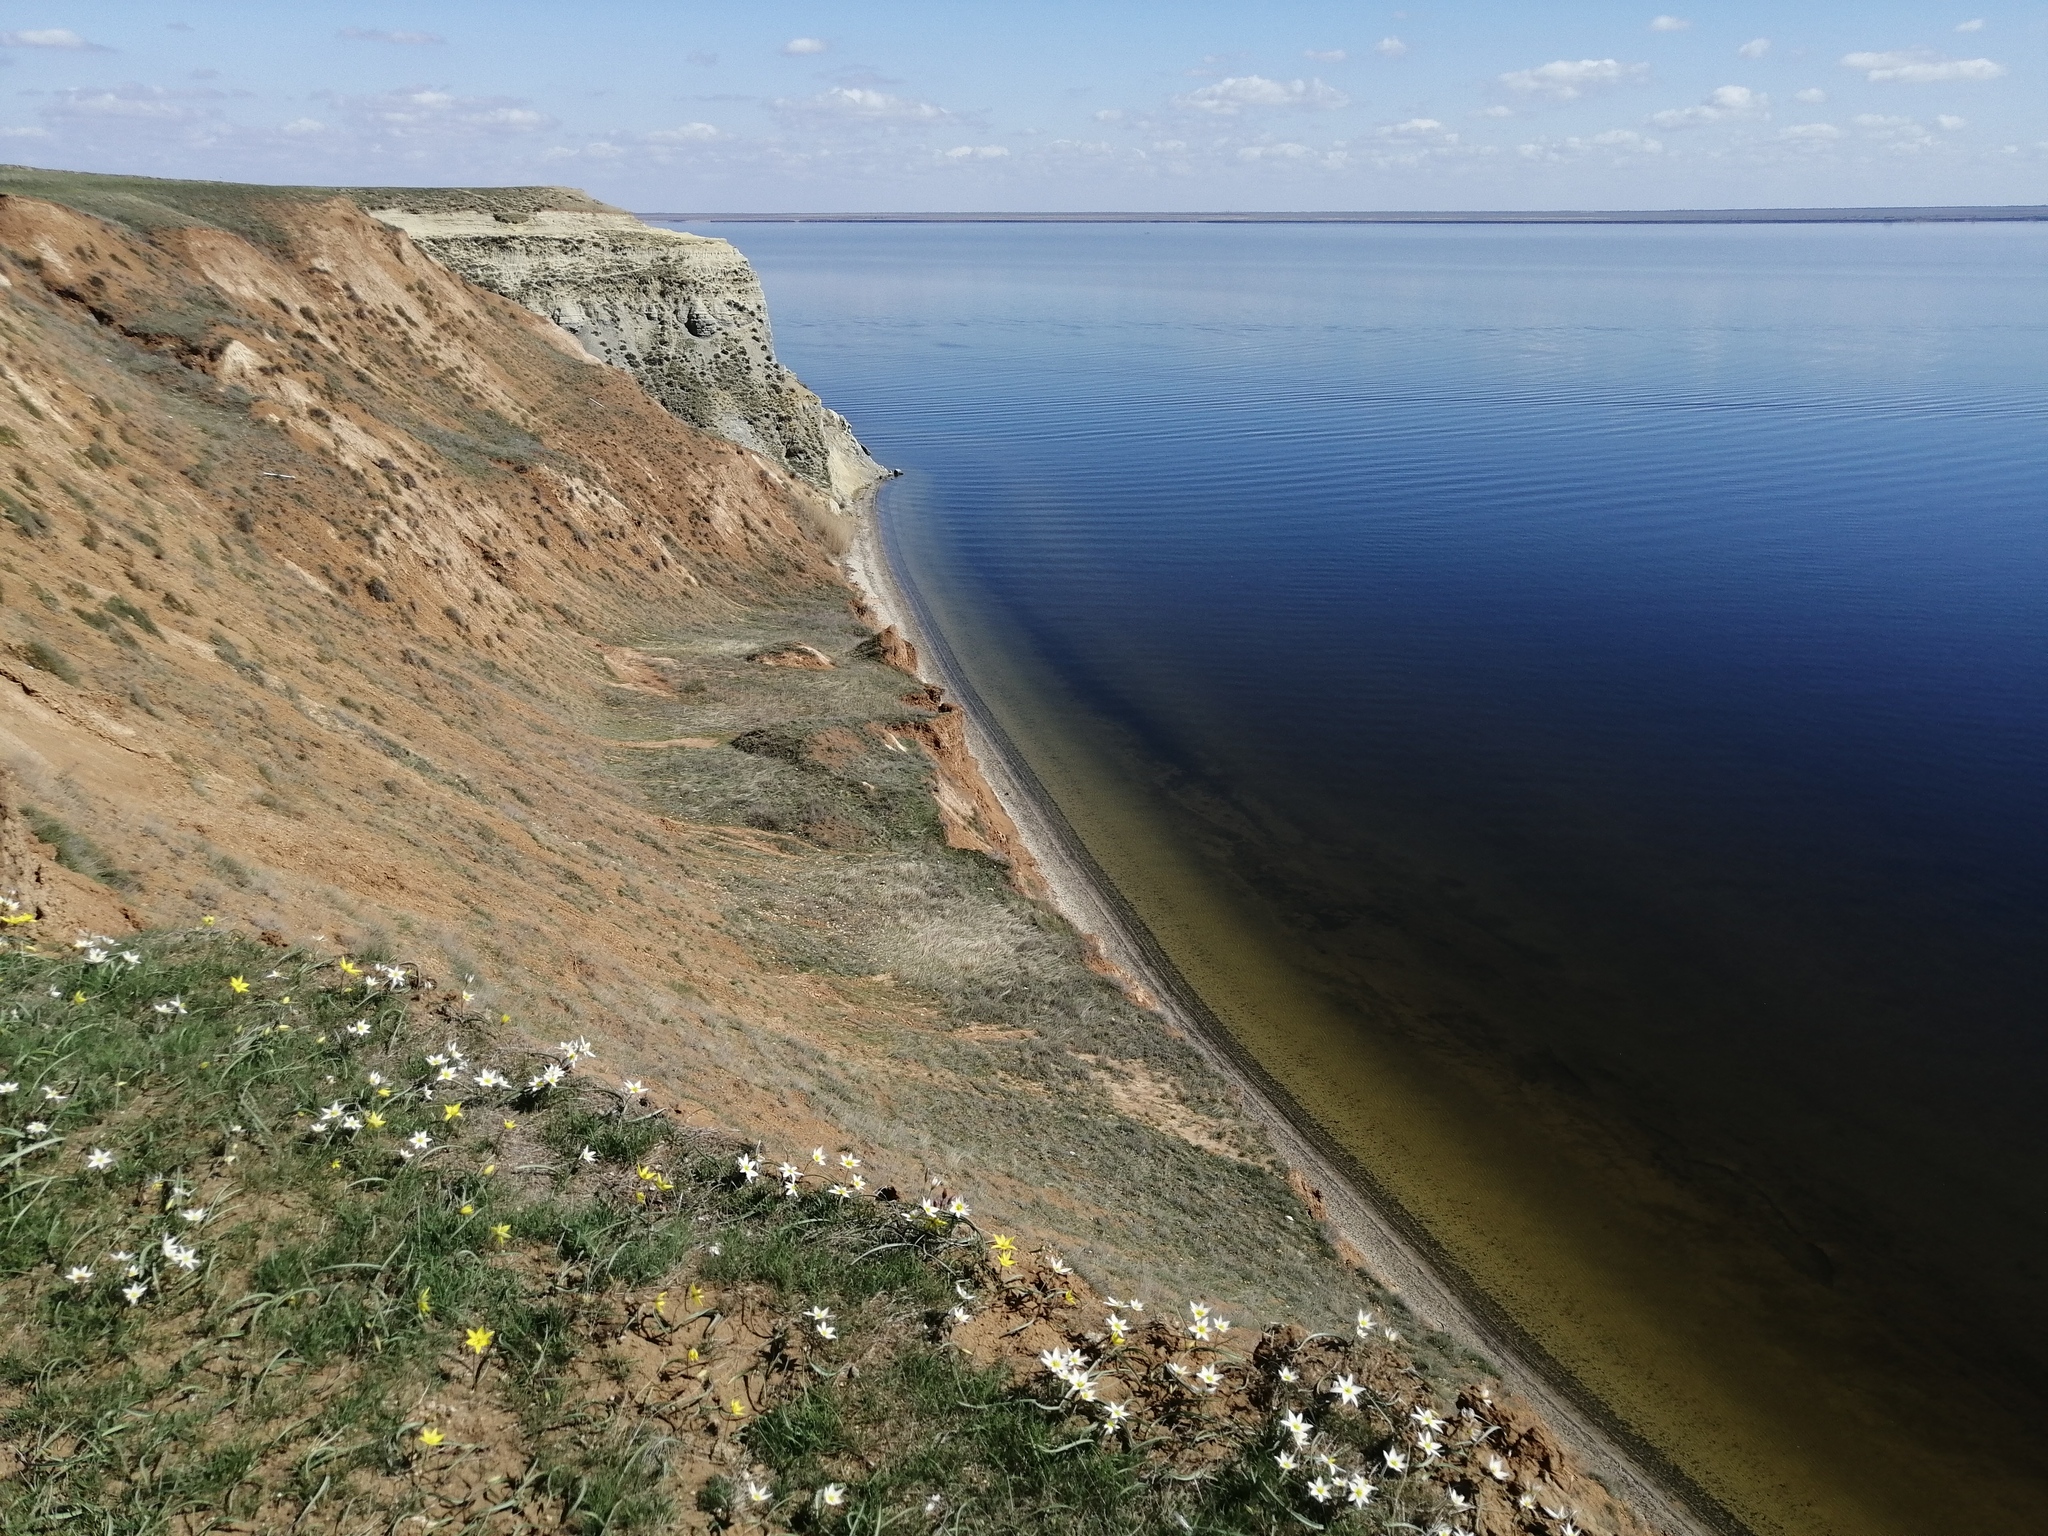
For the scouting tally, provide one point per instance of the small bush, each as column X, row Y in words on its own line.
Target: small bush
column 47, row 658
column 78, row 852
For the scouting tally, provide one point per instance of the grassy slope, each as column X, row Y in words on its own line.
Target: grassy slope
column 646, row 1361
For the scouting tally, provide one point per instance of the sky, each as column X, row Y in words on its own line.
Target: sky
column 1080, row 105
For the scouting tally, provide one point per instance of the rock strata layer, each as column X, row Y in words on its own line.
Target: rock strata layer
column 684, row 314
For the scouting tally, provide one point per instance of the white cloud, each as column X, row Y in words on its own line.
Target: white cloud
column 1948, row 122
column 688, row 133
column 1110, row 115
column 369, row 35
column 1414, row 128
column 1615, row 141
column 803, row 45
column 428, row 114
column 1497, row 111
column 1918, row 67
column 977, row 152
column 1325, row 55
column 298, row 127
column 133, row 103
column 1755, row 48
column 24, row 133
column 1392, row 47
column 861, row 104
column 1976, row 25
column 1721, row 103
column 1569, row 79
column 1811, row 133
column 1275, row 152
column 1231, row 96
column 1810, row 95
column 1900, row 135
column 1624, row 138
column 1669, row 24
column 50, row 37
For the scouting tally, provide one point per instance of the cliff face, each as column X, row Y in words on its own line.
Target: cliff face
column 683, row 314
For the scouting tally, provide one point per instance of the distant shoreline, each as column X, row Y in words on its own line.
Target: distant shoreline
column 2013, row 214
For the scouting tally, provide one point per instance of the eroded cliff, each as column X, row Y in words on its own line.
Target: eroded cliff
column 682, row 313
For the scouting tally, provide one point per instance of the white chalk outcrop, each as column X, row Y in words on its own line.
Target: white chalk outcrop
column 683, row 313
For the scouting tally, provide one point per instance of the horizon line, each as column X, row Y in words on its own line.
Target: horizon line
column 1960, row 214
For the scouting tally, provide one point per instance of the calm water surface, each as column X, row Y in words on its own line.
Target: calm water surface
column 1576, row 702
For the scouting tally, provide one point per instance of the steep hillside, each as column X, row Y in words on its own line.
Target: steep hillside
column 348, row 605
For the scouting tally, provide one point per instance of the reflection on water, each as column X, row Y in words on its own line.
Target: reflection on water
column 1576, row 702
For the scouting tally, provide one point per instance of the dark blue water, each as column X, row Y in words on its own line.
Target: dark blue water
column 1607, row 670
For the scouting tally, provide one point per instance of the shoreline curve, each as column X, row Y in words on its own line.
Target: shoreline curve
column 1400, row 1250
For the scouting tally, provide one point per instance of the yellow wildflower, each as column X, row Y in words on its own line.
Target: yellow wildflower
column 238, row 984
column 427, row 1302
column 502, row 1232
column 13, row 919
column 374, row 1121
column 661, row 1303
column 451, row 1111
column 470, row 1210
column 489, row 1169
column 207, row 921
column 78, row 997
column 431, row 1437
column 348, row 967
column 1006, row 1261
column 511, row 1125
column 696, row 1293
column 737, row 1408
column 1002, row 1243
column 479, row 1339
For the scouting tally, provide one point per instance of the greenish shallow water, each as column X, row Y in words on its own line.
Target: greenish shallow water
column 1573, row 703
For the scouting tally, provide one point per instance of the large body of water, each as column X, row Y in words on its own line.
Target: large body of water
column 1575, row 701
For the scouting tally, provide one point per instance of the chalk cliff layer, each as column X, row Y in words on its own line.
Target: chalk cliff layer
column 684, row 314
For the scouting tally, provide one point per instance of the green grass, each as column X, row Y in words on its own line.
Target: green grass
column 284, row 1374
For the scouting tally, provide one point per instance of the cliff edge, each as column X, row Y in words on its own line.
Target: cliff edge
column 684, row 314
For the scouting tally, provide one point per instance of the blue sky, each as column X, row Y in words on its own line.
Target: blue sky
column 1044, row 104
